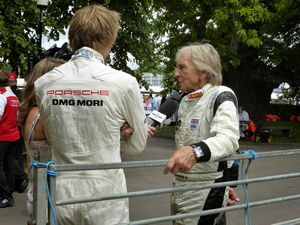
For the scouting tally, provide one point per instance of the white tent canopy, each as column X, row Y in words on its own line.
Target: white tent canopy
column 152, row 89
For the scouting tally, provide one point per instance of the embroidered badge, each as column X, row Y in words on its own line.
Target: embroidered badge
column 88, row 54
column 195, row 95
column 194, row 124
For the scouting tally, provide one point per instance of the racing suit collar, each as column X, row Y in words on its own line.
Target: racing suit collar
column 198, row 93
column 87, row 53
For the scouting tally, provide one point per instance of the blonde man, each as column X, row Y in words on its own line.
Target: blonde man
column 84, row 104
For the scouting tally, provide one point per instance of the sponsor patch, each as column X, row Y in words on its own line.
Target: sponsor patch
column 14, row 103
column 195, row 95
column 194, row 125
column 72, row 102
column 78, row 92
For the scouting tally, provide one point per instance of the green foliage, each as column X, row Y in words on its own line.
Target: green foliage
column 259, row 41
column 19, row 23
column 227, row 24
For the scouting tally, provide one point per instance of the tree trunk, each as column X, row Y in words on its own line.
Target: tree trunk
column 253, row 93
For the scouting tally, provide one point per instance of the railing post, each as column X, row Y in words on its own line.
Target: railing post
column 52, row 190
column 40, row 195
column 246, row 193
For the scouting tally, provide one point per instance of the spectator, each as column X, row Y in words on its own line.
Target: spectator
column 207, row 130
column 37, row 146
column 251, row 132
column 244, row 121
column 148, row 104
column 9, row 139
column 156, row 101
column 84, row 104
column 21, row 177
column 12, row 82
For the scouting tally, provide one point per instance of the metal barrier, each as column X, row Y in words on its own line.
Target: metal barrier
column 41, row 193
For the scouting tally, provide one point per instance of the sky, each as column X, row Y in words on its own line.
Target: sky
column 46, row 44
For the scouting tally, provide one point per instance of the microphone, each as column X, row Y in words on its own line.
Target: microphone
column 165, row 111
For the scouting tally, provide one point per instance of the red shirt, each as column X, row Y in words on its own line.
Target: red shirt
column 8, row 124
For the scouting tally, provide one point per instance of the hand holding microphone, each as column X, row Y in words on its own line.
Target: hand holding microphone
column 165, row 111
column 155, row 119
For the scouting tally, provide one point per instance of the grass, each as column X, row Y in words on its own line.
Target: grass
column 277, row 137
column 167, row 131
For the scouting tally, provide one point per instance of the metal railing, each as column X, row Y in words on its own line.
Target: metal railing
column 43, row 197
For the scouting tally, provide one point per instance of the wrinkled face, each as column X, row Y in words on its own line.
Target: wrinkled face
column 188, row 76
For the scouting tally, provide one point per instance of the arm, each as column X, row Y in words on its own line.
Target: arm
column 133, row 112
column 34, row 119
column 3, row 102
column 225, row 127
column 224, row 141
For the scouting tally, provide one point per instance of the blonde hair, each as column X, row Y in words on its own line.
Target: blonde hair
column 205, row 58
column 28, row 97
column 93, row 25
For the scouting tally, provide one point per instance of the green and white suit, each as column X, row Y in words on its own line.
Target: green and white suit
column 209, row 118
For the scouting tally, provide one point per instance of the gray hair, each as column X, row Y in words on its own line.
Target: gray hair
column 206, row 58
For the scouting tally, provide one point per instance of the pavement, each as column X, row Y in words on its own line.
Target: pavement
column 158, row 205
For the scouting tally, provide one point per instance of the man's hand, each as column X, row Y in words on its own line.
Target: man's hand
column 181, row 161
column 151, row 131
column 126, row 131
column 233, row 197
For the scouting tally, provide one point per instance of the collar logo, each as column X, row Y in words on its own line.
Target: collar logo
column 195, row 95
column 88, row 54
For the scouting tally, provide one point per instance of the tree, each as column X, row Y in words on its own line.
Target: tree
column 251, row 37
column 258, row 40
column 19, row 26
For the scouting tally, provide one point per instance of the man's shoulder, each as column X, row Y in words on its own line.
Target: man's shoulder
column 50, row 76
column 223, row 88
column 112, row 75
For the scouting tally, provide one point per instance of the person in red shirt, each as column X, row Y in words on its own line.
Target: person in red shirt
column 9, row 138
column 250, row 133
column 21, row 177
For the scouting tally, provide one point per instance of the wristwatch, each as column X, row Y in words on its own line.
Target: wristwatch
column 198, row 152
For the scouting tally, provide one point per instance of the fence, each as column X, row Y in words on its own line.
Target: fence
column 44, row 172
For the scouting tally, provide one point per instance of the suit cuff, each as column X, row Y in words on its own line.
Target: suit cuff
column 206, row 151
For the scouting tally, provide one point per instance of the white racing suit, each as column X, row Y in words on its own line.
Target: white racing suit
column 83, row 105
column 208, row 117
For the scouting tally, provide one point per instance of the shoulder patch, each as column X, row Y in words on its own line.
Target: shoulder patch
column 225, row 96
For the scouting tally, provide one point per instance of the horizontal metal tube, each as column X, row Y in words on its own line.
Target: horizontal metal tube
column 289, row 222
column 156, row 163
column 178, row 189
column 212, row 211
